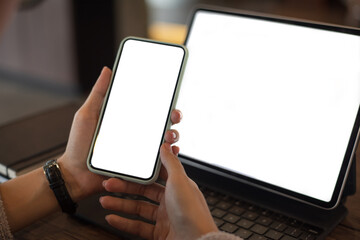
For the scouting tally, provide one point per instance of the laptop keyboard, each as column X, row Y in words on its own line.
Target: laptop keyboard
column 254, row 223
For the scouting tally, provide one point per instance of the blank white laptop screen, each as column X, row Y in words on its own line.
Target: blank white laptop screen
column 271, row 101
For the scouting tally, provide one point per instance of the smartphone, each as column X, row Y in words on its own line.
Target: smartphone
column 136, row 111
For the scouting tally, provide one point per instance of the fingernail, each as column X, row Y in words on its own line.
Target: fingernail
column 100, row 199
column 181, row 115
column 104, row 183
column 107, row 218
column 173, row 135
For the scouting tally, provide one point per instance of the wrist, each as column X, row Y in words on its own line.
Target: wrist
column 57, row 185
column 71, row 184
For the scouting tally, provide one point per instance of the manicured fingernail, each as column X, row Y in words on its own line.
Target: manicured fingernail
column 173, row 135
column 104, row 183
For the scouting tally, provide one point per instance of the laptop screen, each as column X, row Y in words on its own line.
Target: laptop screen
column 272, row 102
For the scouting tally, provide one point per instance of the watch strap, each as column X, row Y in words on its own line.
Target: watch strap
column 57, row 185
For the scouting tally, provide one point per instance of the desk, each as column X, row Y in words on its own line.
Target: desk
column 62, row 226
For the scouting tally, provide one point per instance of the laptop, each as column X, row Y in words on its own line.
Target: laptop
column 271, row 122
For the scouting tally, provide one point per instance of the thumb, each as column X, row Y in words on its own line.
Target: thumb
column 94, row 102
column 170, row 160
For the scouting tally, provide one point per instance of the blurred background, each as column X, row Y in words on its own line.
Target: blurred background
column 52, row 51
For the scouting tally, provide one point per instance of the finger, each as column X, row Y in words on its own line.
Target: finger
column 135, row 227
column 176, row 116
column 95, row 100
column 163, row 173
column 172, row 136
column 169, row 160
column 140, row 208
column 175, row 150
column 153, row 192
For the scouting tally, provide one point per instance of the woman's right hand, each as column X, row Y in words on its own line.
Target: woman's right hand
column 182, row 212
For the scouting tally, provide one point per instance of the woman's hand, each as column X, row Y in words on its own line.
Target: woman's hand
column 28, row 198
column 182, row 212
column 79, row 180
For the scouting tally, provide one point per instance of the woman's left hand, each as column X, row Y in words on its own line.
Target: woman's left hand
column 79, row 180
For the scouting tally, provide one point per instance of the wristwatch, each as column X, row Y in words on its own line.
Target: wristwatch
column 57, row 184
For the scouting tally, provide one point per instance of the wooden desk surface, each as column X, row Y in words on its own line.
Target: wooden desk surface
column 62, row 226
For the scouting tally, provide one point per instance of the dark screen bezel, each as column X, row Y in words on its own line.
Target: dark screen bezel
column 108, row 96
column 350, row 150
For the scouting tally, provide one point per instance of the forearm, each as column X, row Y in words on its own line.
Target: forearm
column 27, row 198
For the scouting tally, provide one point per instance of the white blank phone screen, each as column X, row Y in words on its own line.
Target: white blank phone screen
column 271, row 101
column 137, row 109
